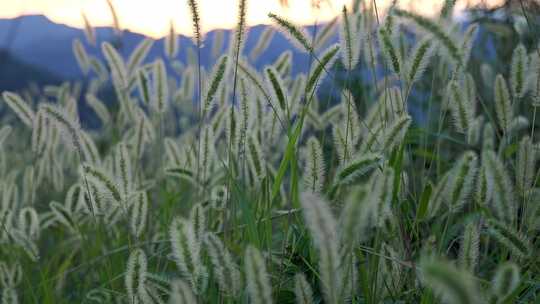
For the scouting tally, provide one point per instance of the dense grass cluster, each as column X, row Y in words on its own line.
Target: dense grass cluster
column 241, row 186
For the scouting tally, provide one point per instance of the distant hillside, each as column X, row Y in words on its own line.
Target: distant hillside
column 48, row 45
column 16, row 75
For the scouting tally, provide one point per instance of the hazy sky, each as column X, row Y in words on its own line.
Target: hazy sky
column 152, row 17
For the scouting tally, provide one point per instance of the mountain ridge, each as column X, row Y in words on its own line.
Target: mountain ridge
column 48, row 45
column 17, row 75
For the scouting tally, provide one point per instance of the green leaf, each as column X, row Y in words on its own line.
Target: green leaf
column 424, row 202
column 289, row 152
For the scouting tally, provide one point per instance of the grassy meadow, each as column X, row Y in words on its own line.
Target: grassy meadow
column 402, row 167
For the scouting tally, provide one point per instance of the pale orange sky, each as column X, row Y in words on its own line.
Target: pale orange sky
column 152, row 17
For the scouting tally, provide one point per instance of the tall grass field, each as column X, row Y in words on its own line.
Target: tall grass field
column 400, row 165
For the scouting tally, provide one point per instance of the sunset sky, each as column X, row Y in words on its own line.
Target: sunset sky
column 153, row 17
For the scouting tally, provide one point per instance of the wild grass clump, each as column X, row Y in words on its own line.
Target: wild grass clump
column 399, row 167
